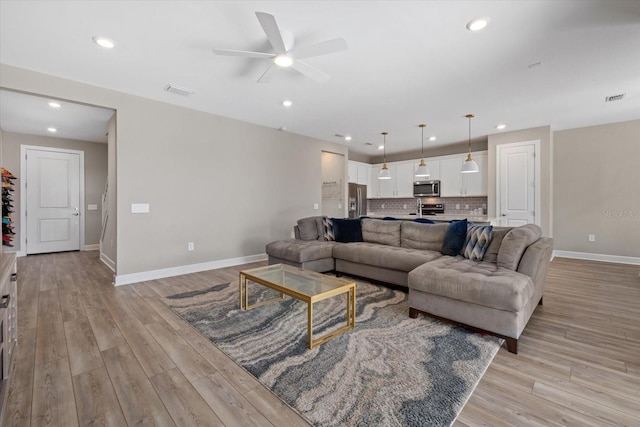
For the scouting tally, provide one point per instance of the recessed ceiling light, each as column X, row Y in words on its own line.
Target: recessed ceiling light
column 380, row 147
column 478, row 23
column 287, row 103
column 501, row 126
column 347, row 138
column 105, row 42
column 52, row 130
column 53, row 104
column 432, row 138
column 283, row 60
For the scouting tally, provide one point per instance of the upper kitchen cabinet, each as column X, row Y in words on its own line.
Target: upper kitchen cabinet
column 434, row 170
column 453, row 183
column 359, row 173
column 400, row 184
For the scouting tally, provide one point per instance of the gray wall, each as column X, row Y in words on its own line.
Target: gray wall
column 545, row 136
column 597, row 189
column 229, row 186
column 95, row 175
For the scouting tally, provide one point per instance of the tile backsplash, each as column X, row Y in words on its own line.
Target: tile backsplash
column 452, row 205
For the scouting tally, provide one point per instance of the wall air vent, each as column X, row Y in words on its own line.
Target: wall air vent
column 178, row 90
column 614, row 97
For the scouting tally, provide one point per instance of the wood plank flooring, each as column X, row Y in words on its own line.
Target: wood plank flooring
column 94, row 354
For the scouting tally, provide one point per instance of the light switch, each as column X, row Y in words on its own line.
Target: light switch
column 139, row 207
column 92, row 207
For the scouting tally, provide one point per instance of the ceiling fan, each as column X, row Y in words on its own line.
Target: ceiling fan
column 284, row 54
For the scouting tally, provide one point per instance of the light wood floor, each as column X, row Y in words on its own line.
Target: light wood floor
column 92, row 354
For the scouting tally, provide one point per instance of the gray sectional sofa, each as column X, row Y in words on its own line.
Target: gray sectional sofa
column 496, row 294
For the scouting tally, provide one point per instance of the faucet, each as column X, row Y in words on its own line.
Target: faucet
column 419, row 203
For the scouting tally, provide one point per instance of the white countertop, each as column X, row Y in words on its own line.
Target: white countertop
column 437, row 217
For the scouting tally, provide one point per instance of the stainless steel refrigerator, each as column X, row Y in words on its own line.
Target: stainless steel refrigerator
column 357, row 200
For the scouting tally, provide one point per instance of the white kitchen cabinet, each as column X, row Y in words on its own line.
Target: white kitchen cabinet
column 358, row 172
column 400, row 184
column 450, row 177
column 475, row 184
column 434, row 170
column 453, row 183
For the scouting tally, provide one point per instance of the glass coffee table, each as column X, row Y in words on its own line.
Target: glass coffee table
column 304, row 285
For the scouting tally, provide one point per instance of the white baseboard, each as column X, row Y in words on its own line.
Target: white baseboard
column 598, row 257
column 127, row 279
column 108, row 262
column 95, row 247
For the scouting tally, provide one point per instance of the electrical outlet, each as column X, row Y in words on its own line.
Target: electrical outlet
column 592, row 237
column 457, row 205
column 383, row 206
column 404, row 206
column 316, row 206
column 466, row 206
column 190, row 246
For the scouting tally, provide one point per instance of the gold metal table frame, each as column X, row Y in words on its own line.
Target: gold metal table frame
column 304, row 285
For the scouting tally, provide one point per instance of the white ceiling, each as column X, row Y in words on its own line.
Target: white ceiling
column 408, row 62
column 22, row 113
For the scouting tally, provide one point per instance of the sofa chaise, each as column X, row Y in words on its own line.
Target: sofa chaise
column 492, row 283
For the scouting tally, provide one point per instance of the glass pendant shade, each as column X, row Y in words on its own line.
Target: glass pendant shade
column 384, row 172
column 470, row 165
column 422, row 171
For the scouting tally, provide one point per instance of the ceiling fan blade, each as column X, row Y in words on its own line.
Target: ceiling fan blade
column 309, row 71
column 272, row 31
column 268, row 75
column 245, row 53
column 323, row 48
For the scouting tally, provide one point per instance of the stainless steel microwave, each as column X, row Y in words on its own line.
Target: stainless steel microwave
column 426, row 188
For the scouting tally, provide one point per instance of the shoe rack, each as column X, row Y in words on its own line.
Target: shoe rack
column 7, row 208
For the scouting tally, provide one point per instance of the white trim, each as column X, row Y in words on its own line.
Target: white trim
column 598, row 257
column 143, row 276
column 95, row 247
column 23, row 191
column 108, row 262
column 537, row 216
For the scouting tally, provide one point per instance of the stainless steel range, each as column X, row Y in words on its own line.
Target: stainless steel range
column 432, row 208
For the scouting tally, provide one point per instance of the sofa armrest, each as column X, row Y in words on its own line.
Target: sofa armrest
column 296, row 232
column 535, row 260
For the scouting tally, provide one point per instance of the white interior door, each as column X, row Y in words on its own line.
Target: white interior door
column 517, row 184
column 53, row 201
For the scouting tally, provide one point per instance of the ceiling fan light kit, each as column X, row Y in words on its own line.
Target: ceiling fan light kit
column 422, row 171
column 284, row 55
column 470, row 165
column 384, row 172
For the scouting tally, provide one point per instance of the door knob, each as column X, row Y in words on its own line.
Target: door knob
column 75, row 214
column 504, row 214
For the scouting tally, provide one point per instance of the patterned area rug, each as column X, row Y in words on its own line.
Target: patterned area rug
column 390, row 370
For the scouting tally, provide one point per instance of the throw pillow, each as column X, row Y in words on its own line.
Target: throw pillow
column 327, row 224
column 515, row 243
column 423, row 221
column 454, row 238
column 477, row 242
column 347, row 230
column 308, row 228
column 497, row 234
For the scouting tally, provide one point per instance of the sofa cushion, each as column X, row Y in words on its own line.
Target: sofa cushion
column 381, row 231
column 497, row 234
column 414, row 235
column 480, row 283
column 383, row 256
column 477, row 242
column 454, row 238
column 514, row 244
column 347, row 230
column 299, row 250
column 309, row 228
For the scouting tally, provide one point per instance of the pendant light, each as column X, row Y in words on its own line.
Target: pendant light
column 470, row 165
column 423, row 170
column 384, row 172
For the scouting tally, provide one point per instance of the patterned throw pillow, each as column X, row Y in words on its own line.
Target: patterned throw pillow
column 477, row 241
column 327, row 225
